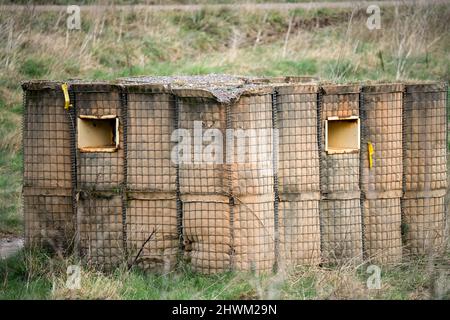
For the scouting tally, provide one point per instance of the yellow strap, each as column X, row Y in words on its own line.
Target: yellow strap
column 65, row 89
column 370, row 150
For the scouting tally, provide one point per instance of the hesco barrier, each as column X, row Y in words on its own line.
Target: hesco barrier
column 234, row 173
column 425, row 167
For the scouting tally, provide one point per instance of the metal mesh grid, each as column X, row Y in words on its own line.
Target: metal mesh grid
column 100, row 170
column 298, row 150
column 48, row 219
column 99, row 220
column 382, row 222
column 425, row 138
column 152, row 227
column 200, row 175
column 298, row 175
column 383, row 129
column 149, row 146
column 252, row 174
column 254, row 238
column 425, row 167
column 425, row 224
column 299, row 231
column 381, row 184
column 341, row 230
column 46, row 141
column 340, row 208
column 206, row 233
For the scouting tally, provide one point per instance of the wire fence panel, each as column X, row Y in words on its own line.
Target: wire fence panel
column 254, row 237
column 202, row 121
column 341, row 222
column 425, row 219
column 206, row 232
column 382, row 222
column 382, row 171
column 298, row 175
column 299, row 231
column 152, row 236
column 425, row 166
column 99, row 169
column 425, row 137
column 48, row 219
column 298, row 150
column 46, row 154
column 100, row 233
column 252, row 167
column 150, row 127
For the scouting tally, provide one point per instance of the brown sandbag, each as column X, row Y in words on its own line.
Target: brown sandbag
column 382, row 127
column 424, row 224
column 206, row 232
column 382, row 230
column 199, row 175
column 298, row 157
column 341, row 231
column 49, row 221
column 100, row 229
column 252, row 168
column 46, row 139
column 254, row 233
column 150, row 126
column 99, row 170
column 299, row 230
column 425, row 137
column 152, row 217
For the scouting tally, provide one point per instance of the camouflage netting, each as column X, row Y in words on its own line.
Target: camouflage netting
column 283, row 198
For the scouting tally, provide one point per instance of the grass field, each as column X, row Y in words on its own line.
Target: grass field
column 413, row 43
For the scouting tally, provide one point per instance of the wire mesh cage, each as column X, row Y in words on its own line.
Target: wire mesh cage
column 234, row 173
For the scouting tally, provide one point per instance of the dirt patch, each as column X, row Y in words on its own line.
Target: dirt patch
column 9, row 246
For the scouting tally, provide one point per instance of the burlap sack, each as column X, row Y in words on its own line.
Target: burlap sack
column 341, row 231
column 207, row 232
column 254, row 237
column 299, row 230
column 382, row 230
column 49, row 220
column 424, row 224
column 46, row 139
column 298, row 157
column 151, row 122
column 100, row 229
column 425, row 137
column 152, row 236
column 99, row 170
column 382, row 127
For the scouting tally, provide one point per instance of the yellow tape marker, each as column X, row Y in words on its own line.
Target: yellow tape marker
column 65, row 89
column 370, row 150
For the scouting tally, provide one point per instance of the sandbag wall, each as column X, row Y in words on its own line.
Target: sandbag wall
column 425, row 167
column 152, row 233
column 203, row 182
column 47, row 174
column 381, row 170
column 100, row 204
column 252, row 182
column 298, row 174
column 272, row 191
column 340, row 208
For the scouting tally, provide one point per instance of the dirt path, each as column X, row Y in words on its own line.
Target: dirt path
column 245, row 6
column 9, row 246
